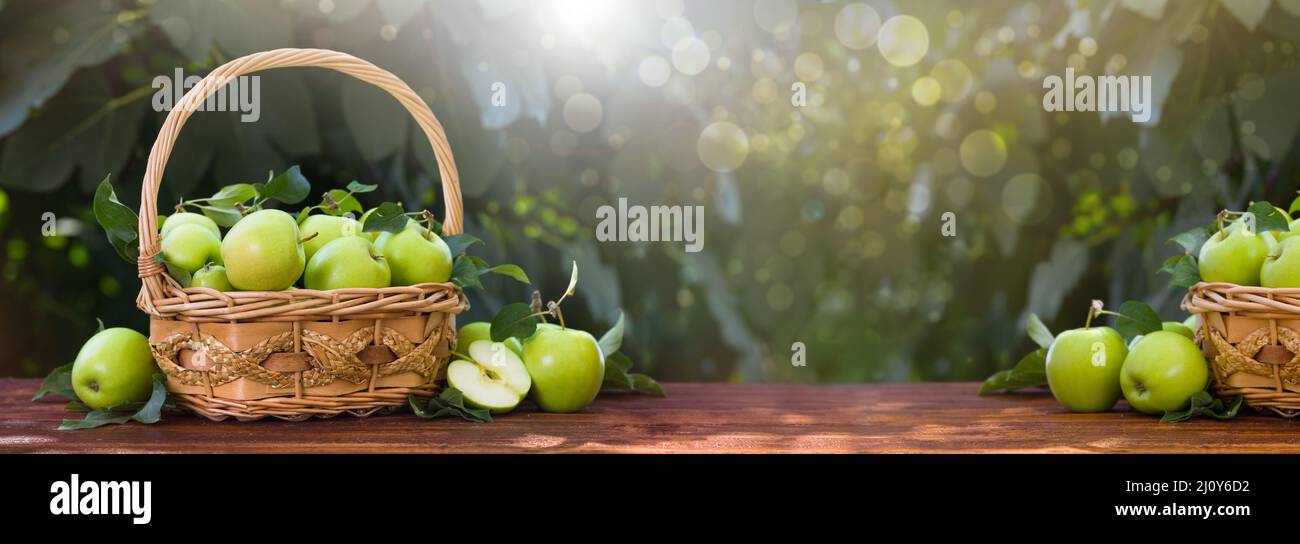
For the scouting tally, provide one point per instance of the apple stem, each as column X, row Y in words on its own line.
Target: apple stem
column 180, row 206
column 308, row 237
column 555, row 311
column 428, row 222
column 536, row 306
column 1094, row 310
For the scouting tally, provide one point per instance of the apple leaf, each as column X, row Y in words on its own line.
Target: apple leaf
column 1038, row 332
column 59, row 382
column 613, row 338
column 224, row 216
column 573, row 280
column 1192, row 239
column 1267, row 217
column 148, row 413
column 118, row 221
column 230, row 195
column 302, row 214
column 514, row 320
column 619, row 377
column 1183, row 270
column 1204, row 404
column 1136, row 319
column 451, row 402
column 1031, row 371
column 290, row 187
column 387, row 217
column 1295, row 205
column 466, row 270
column 512, row 271
column 343, row 203
column 458, row 243
column 356, row 187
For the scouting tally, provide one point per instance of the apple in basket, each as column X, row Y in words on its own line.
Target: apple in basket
column 1234, row 255
column 263, row 252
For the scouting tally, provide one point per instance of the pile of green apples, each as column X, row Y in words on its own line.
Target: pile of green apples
column 560, row 368
column 1090, row 367
column 1238, row 253
column 270, row 250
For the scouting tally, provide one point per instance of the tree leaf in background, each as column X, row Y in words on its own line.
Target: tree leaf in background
column 1038, row 332
column 36, row 67
column 59, row 382
column 378, row 122
column 119, row 222
column 1031, row 371
column 612, row 340
column 1249, row 12
column 238, row 28
column 357, row 187
column 513, row 320
column 1267, row 217
column 387, row 217
column 1183, row 270
column 1137, row 319
column 290, row 187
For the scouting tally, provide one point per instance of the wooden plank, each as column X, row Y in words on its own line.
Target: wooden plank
column 868, row 418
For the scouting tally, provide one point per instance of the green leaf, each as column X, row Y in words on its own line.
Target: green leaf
column 1192, row 239
column 1183, row 270
column 118, row 221
column 1267, row 217
column 1204, row 404
column 1031, row 371
column 148, row 413
column 613, row 338
column 1295, row 205
column 357, row 187
column 618, row 377
column 458, row 243
column 573, row 280
column 510, row 270
column 387, row 217
column 302, row 214
column 1038, row 332
column 230, row 195
column 514, row 320
column 290, row 187
column 59, row 382
column 1136, row 319
column 222, row 216
column 344, row 203
column 451, row 402
column 466, row 270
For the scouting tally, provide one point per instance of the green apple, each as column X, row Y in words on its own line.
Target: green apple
column 326, row 229
column 1174, row 326
column 262, row 252
column 190, row 246
column 416, row 255
column 1282, row 266
column 493, row 377
column 212, row 276
column 1233, row 255
column 1162, row 373
column 1192, row 322
column 350, row 262
column 482, row 330
column 567, row 367
column 114, row 368
column 373, row 236
column 1083, row 368
column 188, row 218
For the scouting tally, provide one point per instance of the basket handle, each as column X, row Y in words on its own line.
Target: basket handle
column 151, row 272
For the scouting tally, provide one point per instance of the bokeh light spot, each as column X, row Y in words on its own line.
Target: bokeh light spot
column 722, row 146
column 857, row 25
column 904, row 40
column 926, row 91
column 583, row 112
column 691, row 56
column 983, row 153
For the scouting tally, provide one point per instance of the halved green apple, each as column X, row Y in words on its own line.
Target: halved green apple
column 493, row 378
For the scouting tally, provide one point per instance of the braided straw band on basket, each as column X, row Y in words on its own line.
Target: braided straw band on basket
column 1251, row 335
column 373, row 355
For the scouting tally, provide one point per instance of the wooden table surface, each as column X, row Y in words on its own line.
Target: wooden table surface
column 695, row 418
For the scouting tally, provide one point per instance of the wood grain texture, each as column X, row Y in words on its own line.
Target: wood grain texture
column 695, row 418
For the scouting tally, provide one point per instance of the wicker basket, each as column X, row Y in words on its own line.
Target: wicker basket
column 1251, row 336
column 301, row 353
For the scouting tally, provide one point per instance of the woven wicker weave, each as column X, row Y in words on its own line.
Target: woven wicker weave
column 301, row 353
column 1251, row 335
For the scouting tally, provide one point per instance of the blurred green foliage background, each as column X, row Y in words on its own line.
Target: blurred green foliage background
column 823, row 221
